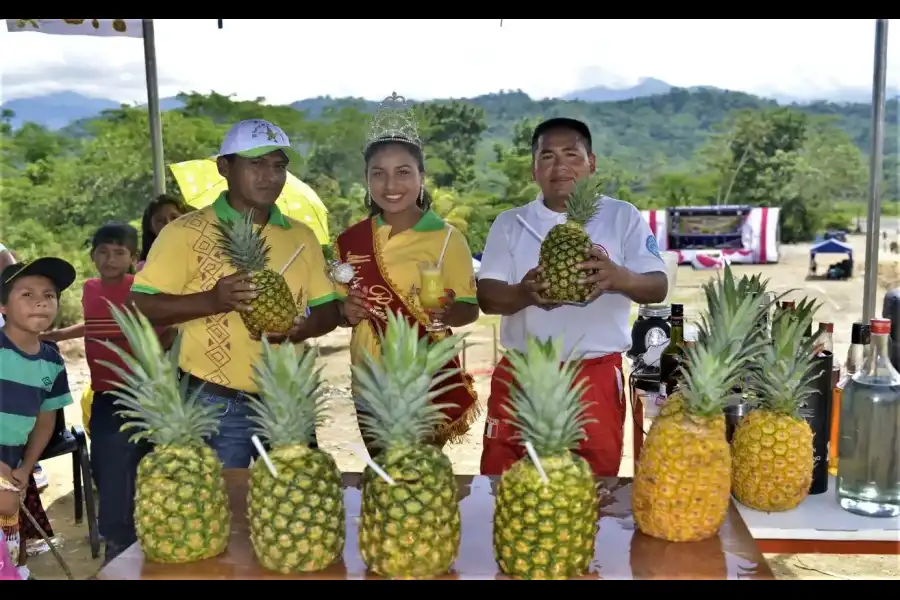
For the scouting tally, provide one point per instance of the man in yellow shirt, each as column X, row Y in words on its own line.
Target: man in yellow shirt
column 187, row 282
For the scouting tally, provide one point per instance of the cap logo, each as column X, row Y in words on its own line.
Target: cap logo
column 265, row 130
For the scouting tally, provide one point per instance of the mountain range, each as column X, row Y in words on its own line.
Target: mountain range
column 57, row 110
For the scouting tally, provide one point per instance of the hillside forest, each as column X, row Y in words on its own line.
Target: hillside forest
column 686, row 147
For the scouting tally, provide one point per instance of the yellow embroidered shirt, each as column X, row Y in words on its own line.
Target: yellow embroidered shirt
column 400, row 258
column 185, row 259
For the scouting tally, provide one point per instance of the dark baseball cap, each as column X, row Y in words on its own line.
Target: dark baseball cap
column 61, row 273
column 564, row 123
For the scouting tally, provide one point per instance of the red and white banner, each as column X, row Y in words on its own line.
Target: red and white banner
column 95, row 27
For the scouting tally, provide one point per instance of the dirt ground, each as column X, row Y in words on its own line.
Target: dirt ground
column 842, row 305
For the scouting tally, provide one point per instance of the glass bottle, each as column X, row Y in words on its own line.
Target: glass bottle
column 671, row 358
column 859, row 345
column 868, row 479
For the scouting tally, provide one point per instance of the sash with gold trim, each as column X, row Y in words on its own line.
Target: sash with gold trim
column 359, row 246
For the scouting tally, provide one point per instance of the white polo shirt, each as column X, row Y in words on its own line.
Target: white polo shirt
column 602, row 327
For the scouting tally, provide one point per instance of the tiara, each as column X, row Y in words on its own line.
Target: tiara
column 394, row 120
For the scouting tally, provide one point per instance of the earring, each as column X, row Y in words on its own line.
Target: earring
column 368, row 199
column 421, row 200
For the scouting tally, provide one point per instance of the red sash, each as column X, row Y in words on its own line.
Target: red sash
column 359, row 246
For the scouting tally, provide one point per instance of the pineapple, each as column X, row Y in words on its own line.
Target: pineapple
column 682, row 483
column 244, row 247
column 567, row 245
column 773, row 445
column 409, row 530
column 181, row 509
column 297, row 519
column 546, row 531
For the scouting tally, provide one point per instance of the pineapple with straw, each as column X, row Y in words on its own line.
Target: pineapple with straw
column 295, row 501
column 546, row 515
column 181, row 509
column 409, row 522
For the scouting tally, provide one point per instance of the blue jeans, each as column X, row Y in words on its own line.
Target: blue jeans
column 114, row 462
column 232, row 442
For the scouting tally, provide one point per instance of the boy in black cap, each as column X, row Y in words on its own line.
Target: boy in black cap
column 33, row 382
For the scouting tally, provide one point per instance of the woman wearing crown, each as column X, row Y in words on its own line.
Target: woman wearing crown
column 388, row 249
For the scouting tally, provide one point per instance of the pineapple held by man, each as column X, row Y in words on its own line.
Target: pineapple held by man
column 546, row 530
column 244, row 247
column 409, row 530
column 773, row 445
column 297, row 518
column 682, row 482
column 181, row 510
column 567, row 245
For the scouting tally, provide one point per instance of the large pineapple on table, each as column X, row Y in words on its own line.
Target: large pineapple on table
column 411, row 529
column 682, row 483
column 772, row 447
column 296, row 518
column 181, row 509
column 244, row 247
column 546, row 530
column 566, row 245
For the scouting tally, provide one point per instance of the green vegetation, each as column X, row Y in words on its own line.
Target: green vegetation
column 682, row 148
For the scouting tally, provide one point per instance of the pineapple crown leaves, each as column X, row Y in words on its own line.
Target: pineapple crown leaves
column 581, row 206
column 545, row 397
column 785, row 375
column 396, row 392
column 155, row 400
column 292, row 395
column 728, row 341
column 242, row 243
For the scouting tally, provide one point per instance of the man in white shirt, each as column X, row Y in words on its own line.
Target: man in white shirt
column 630, row 269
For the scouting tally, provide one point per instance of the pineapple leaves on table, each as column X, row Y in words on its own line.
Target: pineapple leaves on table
column 181, row 509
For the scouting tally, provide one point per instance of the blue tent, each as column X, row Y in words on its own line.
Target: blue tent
column 831, row 246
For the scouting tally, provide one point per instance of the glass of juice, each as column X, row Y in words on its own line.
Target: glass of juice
column 431, row 293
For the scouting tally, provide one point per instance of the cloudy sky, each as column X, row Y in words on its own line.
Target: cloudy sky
column 288, row 60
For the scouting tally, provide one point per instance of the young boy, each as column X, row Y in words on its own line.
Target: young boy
column 114, row 459
column 33, row 382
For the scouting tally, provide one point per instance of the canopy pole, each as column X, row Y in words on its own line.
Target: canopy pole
column 876, row 175
column 156, row 141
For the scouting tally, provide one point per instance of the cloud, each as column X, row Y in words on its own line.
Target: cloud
column 286, row 60
column 92, row 80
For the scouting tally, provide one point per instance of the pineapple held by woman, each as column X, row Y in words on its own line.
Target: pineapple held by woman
column 773, row 445
column 410, row 529
column 245, row 248
column 567, row 245
column 181, row 509
column 682, row 484
column 546, row 530
column 297, row 518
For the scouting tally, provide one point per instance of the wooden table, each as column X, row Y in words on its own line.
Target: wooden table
column 621, row 552
column 820, row 526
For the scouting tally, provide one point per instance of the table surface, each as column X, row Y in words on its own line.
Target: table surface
column 819, row 517
column 620, row 551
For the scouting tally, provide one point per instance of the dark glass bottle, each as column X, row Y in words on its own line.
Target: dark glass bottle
column 672, row 357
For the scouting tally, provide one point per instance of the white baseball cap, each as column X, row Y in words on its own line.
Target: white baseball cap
column 253, row 138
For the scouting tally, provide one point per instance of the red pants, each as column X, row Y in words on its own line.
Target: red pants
column 605, row 399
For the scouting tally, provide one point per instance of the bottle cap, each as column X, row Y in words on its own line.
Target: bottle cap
column 880, row 326
column 829, row 327
column 678, row 310
column 860, row 334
